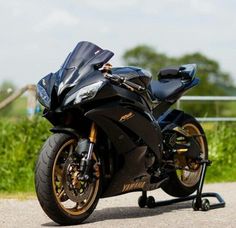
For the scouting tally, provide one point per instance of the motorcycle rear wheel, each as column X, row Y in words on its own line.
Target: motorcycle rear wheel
column 64, row 198
column 183, row 183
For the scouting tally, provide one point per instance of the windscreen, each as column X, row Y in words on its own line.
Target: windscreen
column 85, row 58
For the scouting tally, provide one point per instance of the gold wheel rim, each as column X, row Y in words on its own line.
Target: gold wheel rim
column 191, row 178
column 76, row 209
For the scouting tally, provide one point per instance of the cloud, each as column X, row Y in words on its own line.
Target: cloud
column 39, row 34
column 56, row 18
column 108, row 5
column 204, row 7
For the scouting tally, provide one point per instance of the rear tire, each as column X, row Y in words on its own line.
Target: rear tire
column 51, row 172
column 176, row 186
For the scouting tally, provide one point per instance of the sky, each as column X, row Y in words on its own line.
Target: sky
column 36, row 36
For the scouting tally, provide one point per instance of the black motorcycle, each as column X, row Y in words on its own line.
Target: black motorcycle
column 114, row 133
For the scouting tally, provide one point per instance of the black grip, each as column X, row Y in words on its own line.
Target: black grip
column 122, row 80
column 115, row 78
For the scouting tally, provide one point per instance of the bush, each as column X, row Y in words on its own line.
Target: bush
column 20, row 143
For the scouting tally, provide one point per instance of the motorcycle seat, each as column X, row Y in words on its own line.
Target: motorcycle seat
column 171, row 80
column 185, row 72
column 162, row 89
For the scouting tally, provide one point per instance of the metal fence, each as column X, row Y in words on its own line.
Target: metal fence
column 209, row 98
column 32, row 103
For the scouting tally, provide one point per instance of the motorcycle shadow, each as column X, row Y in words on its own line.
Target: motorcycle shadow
column 133, row 212
column 111, row 213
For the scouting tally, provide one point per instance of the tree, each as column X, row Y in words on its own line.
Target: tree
column 213, row 81
column 146, row 57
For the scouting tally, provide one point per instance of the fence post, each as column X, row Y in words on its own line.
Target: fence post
column 31, row 101
column 178, row 104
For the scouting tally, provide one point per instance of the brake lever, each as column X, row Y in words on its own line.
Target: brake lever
column 121, row 80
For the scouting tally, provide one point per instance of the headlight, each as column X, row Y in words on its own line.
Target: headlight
column 88, row 92
column 43, row 97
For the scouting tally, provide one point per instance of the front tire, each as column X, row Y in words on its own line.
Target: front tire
column 64, row 198
column 183, row 183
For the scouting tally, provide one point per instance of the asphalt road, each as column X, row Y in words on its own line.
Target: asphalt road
column 123, row 211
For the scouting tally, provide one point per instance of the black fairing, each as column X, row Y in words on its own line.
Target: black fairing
column 85, row 58
column 82, row 63
column 130, row 140
column 148, row 131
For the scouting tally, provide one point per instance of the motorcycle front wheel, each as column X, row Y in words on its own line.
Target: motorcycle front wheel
column 183, row 182
column 64, row 198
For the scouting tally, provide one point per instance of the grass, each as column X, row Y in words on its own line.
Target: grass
column 221, row 140
column 221, row 174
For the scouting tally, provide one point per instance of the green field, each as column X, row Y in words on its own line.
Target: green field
column 21, row 141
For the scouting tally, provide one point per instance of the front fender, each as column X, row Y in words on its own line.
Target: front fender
column 66, row 130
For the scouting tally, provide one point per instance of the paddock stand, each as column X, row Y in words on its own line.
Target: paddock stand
column 198, row 202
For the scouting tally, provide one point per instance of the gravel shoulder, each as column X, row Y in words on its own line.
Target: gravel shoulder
column 123, row 211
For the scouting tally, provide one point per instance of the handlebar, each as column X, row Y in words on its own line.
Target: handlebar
column 135, row 86
column 122, row 80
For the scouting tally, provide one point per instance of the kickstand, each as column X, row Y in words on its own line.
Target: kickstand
column 198, row 201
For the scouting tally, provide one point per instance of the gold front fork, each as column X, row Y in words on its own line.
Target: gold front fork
column 93, row 133
column 92, row 139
